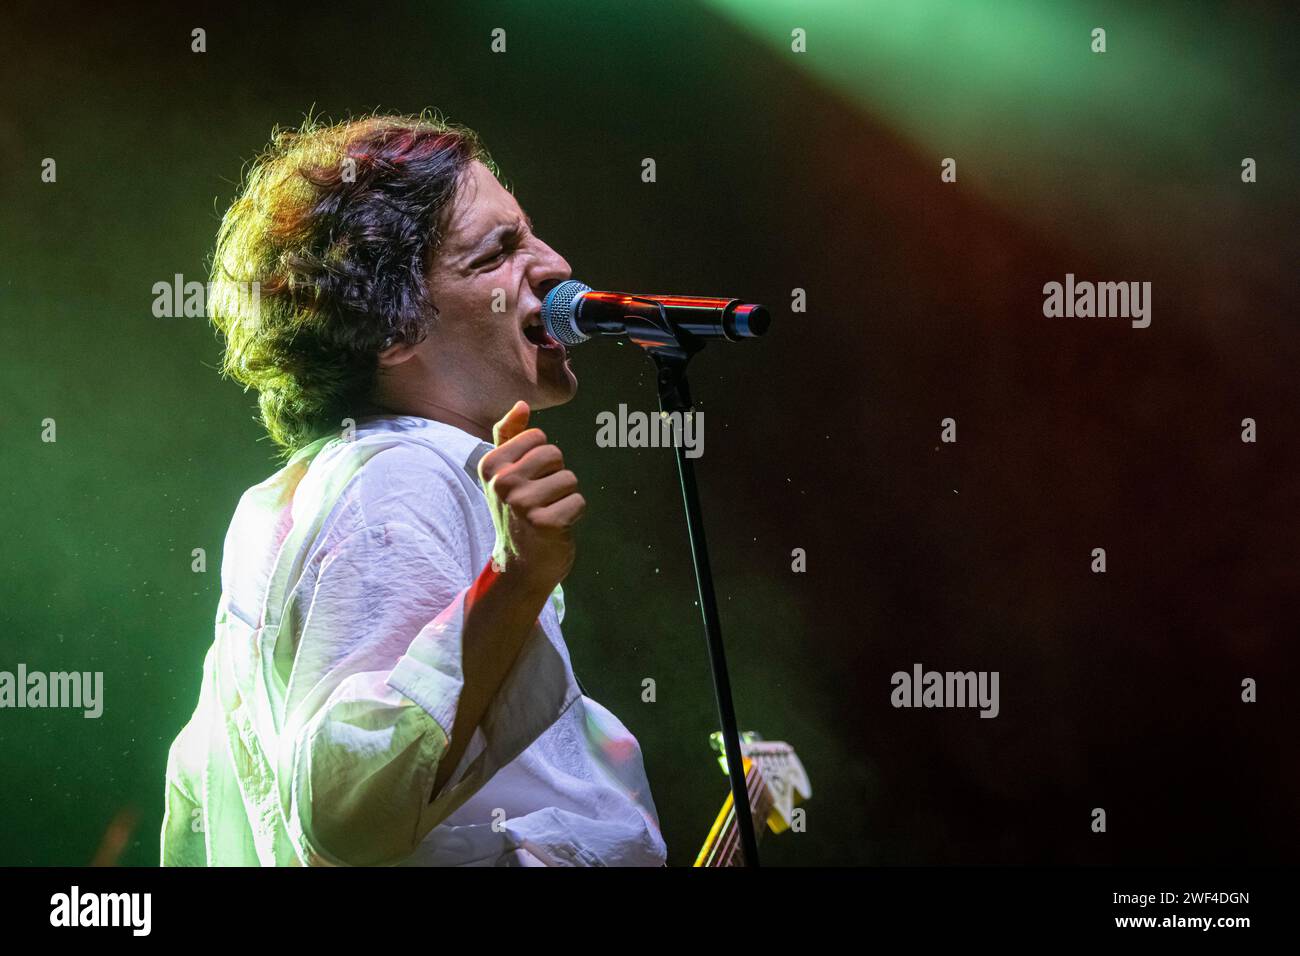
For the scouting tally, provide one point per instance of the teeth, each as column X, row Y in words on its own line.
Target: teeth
column 535, row 332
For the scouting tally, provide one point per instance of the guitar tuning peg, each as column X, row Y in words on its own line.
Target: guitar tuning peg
column 746, row 737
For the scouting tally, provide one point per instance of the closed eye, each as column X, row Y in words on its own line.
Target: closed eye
column 499, row 254
column 509, row 243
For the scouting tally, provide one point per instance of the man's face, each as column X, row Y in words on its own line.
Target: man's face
column 488, row 280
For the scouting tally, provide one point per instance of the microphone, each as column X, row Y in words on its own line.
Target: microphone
column 573, row 313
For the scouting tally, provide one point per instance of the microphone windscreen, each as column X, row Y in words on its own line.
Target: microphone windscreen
column 560, row 312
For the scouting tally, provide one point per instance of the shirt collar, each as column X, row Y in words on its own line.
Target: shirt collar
column 459, row 444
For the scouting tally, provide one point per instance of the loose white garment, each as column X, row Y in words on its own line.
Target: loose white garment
column 330, row 689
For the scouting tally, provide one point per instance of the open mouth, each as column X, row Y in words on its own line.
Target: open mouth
column 535, row 332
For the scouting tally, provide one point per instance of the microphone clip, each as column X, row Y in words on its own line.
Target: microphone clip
column 670, row 347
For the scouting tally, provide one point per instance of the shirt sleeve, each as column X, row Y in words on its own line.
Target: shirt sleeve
column 372, row 696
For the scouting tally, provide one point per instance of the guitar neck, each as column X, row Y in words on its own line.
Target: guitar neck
column 722, row 846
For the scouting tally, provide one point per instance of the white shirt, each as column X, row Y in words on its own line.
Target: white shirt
column 330, row 689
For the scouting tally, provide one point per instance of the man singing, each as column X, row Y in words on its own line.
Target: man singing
column 388, row 683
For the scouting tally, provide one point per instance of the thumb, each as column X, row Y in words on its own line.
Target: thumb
column 514, row 422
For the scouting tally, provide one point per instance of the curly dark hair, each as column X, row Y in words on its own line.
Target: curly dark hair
column 336, row 225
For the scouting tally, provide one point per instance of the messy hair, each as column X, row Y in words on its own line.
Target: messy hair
column 333, row 230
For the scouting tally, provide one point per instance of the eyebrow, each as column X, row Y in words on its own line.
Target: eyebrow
column 498, row 233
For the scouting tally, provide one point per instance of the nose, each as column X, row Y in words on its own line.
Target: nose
column 548, row 269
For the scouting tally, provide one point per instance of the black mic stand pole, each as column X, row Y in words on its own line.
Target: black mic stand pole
column 672, row 349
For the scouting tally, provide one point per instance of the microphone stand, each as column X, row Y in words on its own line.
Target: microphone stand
column 671, row 349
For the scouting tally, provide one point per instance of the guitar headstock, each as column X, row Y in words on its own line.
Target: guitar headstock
column 780, row 769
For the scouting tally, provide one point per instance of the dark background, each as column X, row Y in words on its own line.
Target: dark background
column 776, row 171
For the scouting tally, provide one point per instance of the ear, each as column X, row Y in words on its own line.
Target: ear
column 396, row 354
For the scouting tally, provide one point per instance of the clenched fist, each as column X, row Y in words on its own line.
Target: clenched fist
column 534, row 502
